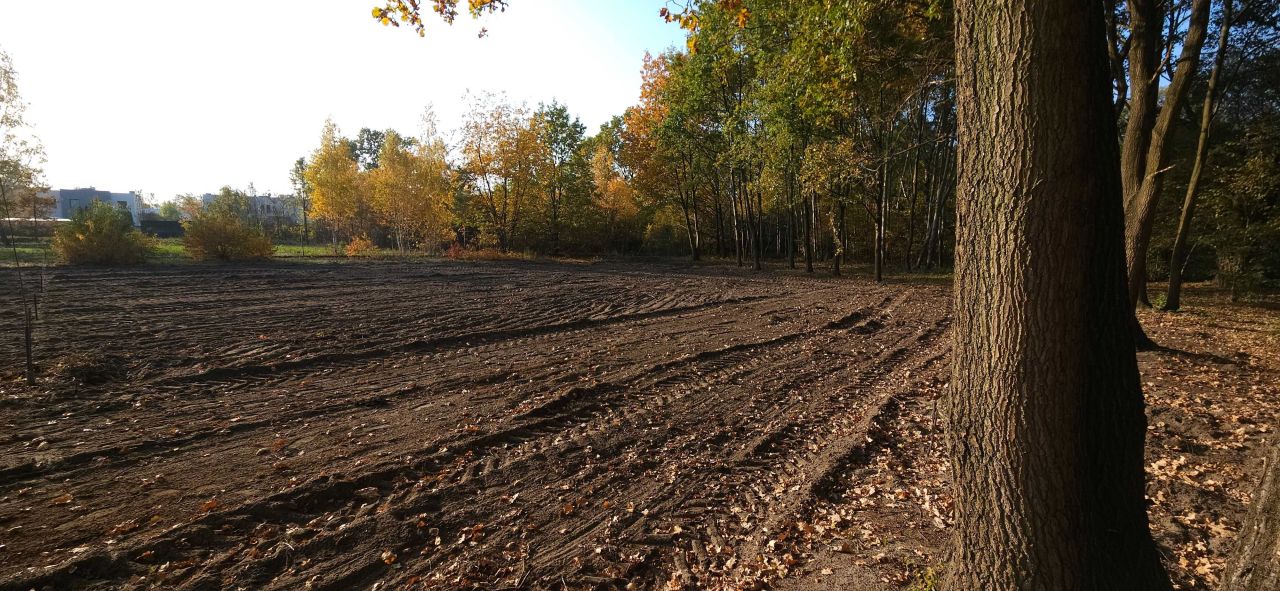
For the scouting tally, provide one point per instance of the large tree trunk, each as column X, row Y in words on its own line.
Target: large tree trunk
column 1046, row 412
column 1255, row 564
column 1140, row 207
column 1181, row 242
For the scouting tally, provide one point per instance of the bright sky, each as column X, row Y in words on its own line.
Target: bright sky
column 185, row 97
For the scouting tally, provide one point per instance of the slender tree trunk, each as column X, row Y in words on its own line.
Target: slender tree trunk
column 759, row 225
column 555, row 222
column 715, row 194
column 915, row 178
column 737, row 227
column 1181, row 242
column 808, row 234
column 1140, row 208
column 880, row 218
column 839, row 238
column 696, row 231
column 1046, row 412
column 791, row 230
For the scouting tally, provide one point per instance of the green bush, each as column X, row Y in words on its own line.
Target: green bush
column 101, row 235
column 225, row 237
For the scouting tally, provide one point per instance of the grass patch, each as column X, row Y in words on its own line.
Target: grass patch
column 304, row 250
column 28, row 254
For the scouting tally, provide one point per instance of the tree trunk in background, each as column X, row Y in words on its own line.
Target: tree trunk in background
column 1144, row 61
column 1046, row 412
column 809, row 240
column 1145, row 21
column 1140, row 208
column 1255, row 563
column 837, row 236
column 759, row 224
column 791, row 232
column 880, row 218
column 1181, row 242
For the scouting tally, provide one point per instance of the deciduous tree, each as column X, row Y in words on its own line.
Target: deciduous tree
column 1047, row 424
column 337, row 194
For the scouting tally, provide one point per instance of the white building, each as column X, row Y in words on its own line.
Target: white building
column 69, row 201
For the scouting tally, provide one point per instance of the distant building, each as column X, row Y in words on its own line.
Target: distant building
column 69, row 201
column 268, row 208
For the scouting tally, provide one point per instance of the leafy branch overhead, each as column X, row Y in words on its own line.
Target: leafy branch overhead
column 409, row 12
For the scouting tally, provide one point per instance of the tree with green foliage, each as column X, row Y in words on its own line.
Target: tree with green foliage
column 169, row 210
column 301, row 198
column 563, row 171
column 366, row 148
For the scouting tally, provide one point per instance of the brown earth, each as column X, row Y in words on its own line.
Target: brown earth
column 521, row 425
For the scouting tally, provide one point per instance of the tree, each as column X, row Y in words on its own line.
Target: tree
column 622, row 224
column 169, row 210
column 563, row 167
column 1047, row 422
column 1181, row 246
column 21, row 155
column 651, row 149
column 301, row 194
column 410, row 188
column 189, row 206
column 20, row 159
column 366, row 149
column 1145, row 163
column 224, row 230
column 500, row 154
column 335, row 184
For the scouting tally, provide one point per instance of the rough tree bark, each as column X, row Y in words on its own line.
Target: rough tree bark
column 1046, row 412
column 1181, row 242
column 1144, row 89
column 1255, row 563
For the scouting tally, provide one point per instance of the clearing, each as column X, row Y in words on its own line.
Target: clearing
column 527, row 425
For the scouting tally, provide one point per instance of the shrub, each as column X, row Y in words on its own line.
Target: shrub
column 101, row 235
column 461, row 253
column 361, row 246
column 224, row 236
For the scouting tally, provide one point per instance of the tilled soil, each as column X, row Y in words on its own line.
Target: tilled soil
column 488, row 426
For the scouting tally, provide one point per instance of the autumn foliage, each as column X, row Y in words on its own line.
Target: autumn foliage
column 101, row 235
column 224, row 231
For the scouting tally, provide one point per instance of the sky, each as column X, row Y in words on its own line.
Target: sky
column 186, row 97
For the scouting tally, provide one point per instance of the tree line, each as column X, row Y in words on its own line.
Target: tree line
column 824, row 134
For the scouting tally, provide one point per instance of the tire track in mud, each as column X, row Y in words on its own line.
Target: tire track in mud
column 616, row 434
column 475, row 343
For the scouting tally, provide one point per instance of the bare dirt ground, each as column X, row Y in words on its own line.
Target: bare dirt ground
column 530, row 426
